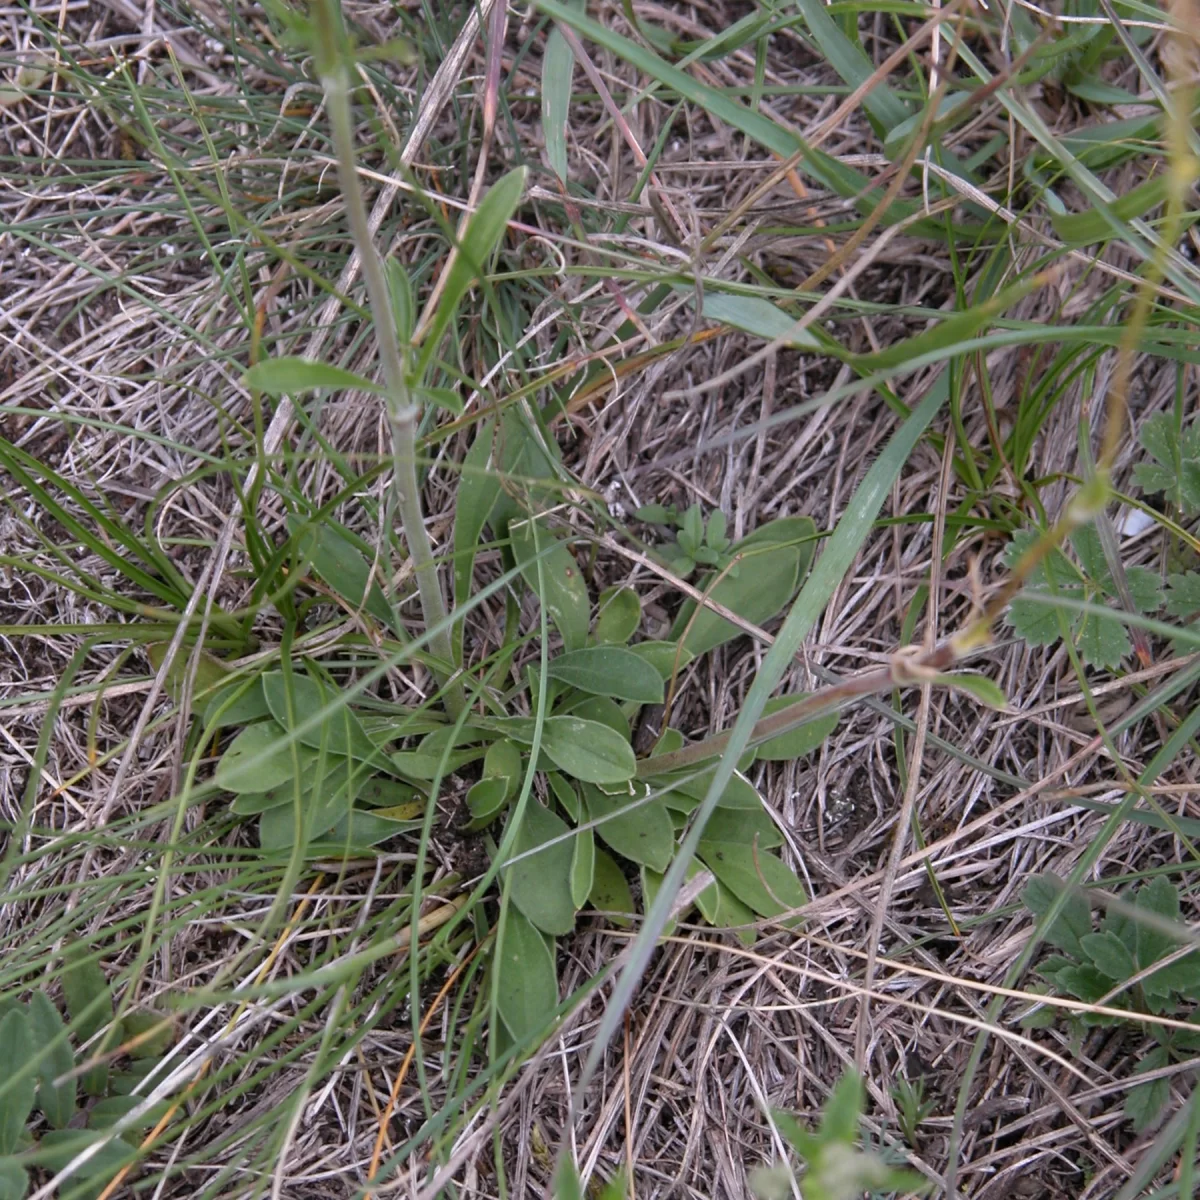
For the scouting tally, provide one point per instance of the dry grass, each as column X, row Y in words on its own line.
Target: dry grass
column 121, row 351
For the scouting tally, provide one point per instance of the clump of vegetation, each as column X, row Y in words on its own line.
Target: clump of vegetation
column 1126, row 964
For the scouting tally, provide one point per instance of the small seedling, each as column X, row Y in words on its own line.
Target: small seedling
column 912, row 1106
column 836, row 1165
column 1097, row 966
column 698, row 542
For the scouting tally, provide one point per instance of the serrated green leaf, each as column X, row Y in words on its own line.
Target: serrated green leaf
column 1072, row 923
column 754, row 876
column 16, row 1050
column 610, row 892
column 293, row 376
column 14, row 1180
column 1083, row 982
column 587, row 750
column 1144, row 1104
column 776, row 557
column 1183, row 594
column 1182, row 976
column 843, row 1110
column 1161, row 897
column 526, row 980
column 609, row 671
column 539, row 880
column 798, row 742
column 583, row 867
column 555, row 578
column 1145, row 589
column 343, row 568
column 1103, row 641
column 619, row 615
column 483, row 233
column 644, row 834
column 692, row 526
column 558, row 68
column 1109, row 955
column 259, row 759
column 56, row 1100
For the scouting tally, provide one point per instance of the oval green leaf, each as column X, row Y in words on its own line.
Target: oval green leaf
column 756, row 877
column 798, row 742
column 609, row 671
column 14, row 1180
column 554, row 577
column 644, row 834
column 16, row 1049
column 773, row 561
column 539, row 881
column 56, row 1100
column 583, row 867
column 258, row 759
column 610, row 892
column 620, row 613
column 587, row 750
column 290, row 375
column 526, row 980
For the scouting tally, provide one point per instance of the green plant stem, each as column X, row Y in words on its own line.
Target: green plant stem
column 402, row 413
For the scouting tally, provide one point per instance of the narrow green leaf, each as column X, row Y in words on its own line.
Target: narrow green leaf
column 985, row 690
column 583, row 867
column 1081, row 229
column 401, row 293
column 554, row 576
column 478, row 488
column 292, row 376
column 258, row 759
column 753, row 314
column 56, row 1100
column 774, row 559
column 558, row 68
column 850, row 61
column 89, row 1004
column 798, row 742
column 754, row 876
column 645, row 834
column 484, row 231
column 526, row 979
column 620, row 614
column 610, row 892
column 565, row 793
column 587, row 750
column 16, row 1103
column 609, row 671
column 344, row 569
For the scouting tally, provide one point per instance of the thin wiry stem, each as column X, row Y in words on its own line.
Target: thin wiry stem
column 402, row 413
